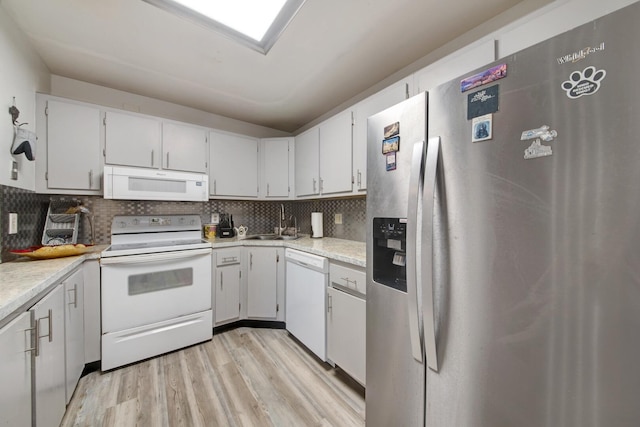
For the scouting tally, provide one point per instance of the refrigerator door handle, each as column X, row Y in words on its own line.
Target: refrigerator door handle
column 428, row 314
column 413, row 242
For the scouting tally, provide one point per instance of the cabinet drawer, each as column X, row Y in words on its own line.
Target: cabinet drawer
column 227, row 256
column 349, row 277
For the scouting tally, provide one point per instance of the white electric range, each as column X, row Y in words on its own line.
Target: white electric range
column 156, row 287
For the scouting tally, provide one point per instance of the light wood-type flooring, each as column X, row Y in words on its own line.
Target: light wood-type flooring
column 243, row 377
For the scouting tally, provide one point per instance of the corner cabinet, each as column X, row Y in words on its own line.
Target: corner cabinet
column 265, row 282
column 307, row 164
column 227, row 277
column 15, row 371
column 277, row 165
column 69, row 152
column 234, row 165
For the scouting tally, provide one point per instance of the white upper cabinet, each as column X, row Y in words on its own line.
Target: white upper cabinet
column 276, row 168
column 184, row 147
column 307, row 164
column 380, row 101
column 335, row 154
column 68, row 158
column 133, row 140
column 234, row 165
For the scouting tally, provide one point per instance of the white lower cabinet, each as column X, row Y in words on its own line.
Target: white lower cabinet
column 262, row 282
column 346, row 332
column 226, row 294
column 73, row 330
column 15, row 371
column 92, row 316
column 49, row 392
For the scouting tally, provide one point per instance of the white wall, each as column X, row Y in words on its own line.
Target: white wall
column 100, row 95
column 23, row 74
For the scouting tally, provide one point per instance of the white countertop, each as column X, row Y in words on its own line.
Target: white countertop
column 348, row 251
column 24, row 281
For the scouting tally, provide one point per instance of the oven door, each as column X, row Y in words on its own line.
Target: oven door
column 139, row 290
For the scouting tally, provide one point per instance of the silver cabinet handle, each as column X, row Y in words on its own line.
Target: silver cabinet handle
column 75, row 296
column 33, row 331
column 267, row 189
column 329, row 306
column 37, row 332
column 214, row 187
column 321, row 184
column 415, row 178
column 428, row 310
column 314, row 185
column 359, row 179
column 221, row 280
column 167, row 160
column 90, row 178
column 152, row 155
column 250, row 260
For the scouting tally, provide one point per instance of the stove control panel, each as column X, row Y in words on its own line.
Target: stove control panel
column 152, row 223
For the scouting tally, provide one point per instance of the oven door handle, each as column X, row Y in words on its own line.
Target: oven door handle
column 155, row 257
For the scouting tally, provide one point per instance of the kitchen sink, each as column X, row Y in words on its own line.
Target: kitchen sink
column 269, row 237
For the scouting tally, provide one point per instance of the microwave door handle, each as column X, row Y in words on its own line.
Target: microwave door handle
column 413, row 242
column 154, row 257
column 428, row 314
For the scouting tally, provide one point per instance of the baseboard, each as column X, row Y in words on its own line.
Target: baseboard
column 249, row 323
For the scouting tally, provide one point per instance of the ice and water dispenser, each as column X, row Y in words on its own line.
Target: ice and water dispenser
column 389, row 252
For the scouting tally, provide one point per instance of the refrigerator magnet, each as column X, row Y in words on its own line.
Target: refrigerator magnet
column 391, row 145
column 391, row 161
column 484, row 77
column 391, row 130
column 482, row 128
column 482, row 102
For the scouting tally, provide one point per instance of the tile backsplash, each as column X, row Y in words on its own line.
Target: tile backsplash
column 259, row 216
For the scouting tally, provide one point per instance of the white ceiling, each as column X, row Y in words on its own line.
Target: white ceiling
column 331, row 51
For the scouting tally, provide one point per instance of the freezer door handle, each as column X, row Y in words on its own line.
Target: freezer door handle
column 413, row 242
column 428, row 314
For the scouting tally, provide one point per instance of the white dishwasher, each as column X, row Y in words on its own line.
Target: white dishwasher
column 306, row 299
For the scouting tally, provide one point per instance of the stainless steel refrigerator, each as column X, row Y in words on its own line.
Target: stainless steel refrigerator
column 503, row 252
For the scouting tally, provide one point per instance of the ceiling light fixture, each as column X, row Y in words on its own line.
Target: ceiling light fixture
column 254, row 23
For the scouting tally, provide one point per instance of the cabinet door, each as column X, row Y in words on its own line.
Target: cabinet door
column 335, row 154
column 49, row 389
column 132, row 140
column 262, row 279
column 307, row 164
column 346, row 333
column 74, row 330
column 15, row 371
column 92, row 330
column 234, row 165
column 73, row 146
column 184, row 148
column 227, row 293
column 276, row 167
column 380, row 101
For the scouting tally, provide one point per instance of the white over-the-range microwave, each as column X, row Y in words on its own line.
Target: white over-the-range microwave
column 128, row 183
